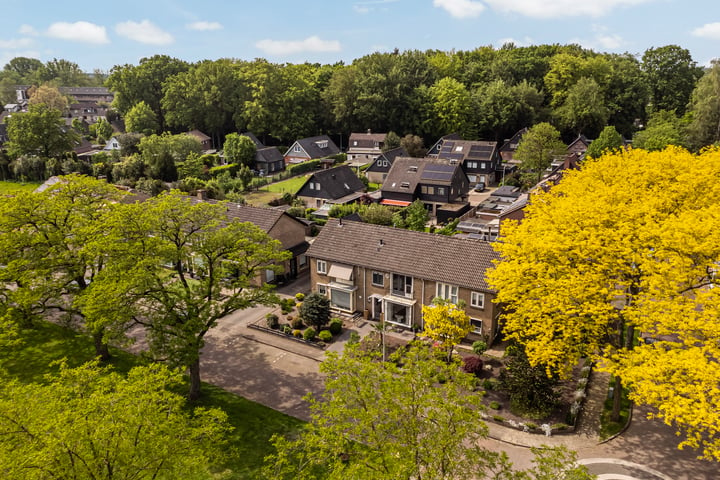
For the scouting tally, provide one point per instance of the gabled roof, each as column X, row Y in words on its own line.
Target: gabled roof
column 336, row 182
column 317, row 147
column 407, row 172
column 390, row 156
column 510, row 145
column 84, row 91
column 199, row 135
column 268, row 155
column 579, row 145
column 461, row 150
column 256, row 141
column 264, row 218
column 456, row 261
column 366, row 140
column 432, row 151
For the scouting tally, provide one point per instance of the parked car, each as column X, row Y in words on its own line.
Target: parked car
column 480, row 187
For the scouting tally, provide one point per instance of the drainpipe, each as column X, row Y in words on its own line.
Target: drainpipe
column 422, row 302
column 364, row 292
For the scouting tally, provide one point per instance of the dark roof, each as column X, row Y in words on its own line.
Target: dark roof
column 511, row 143
column 336, row 182
column 312, row 146
column 461, row 150
column 407, row 172
column 366, row 140
column 268, row 155
column 429, row 256
column 85, row 91
column 255, row 140
column 390, row 156
column 436, row 146
column 198, row 134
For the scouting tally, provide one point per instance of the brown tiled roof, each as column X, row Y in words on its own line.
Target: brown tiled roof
column 457, row 261
column 265, row 218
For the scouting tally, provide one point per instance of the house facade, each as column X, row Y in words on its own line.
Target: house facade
column 335, row 185
column 310, row 149
column 363, row 148
column 379, row 168
column 435, row 182
column 388, row 274
column 479, row 159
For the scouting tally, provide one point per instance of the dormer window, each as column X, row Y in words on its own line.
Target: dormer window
column 412, row 169
column 405, row 185
column 458, row 148
column 297, row 148
column 322, row 144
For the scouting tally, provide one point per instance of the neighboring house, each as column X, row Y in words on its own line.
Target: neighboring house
column 89, row 112
column 485, row 224
column 435, row 182
column 205, row 141
column 335, row 185
column 508, row 148
column 378, row 170
column 268, row 160
column 311, row 149
column 435, row 149
column 88, row 94
column 579, row 145
column 479, row 159
column 112, row 144
column 389, row 274
column 363, row 148
column 280, row 226
column 256, row 141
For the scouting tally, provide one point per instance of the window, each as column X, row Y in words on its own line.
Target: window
column 483, row 165
column 377, row 279
column 477, row 299
column 472, row 164
column 302, row 260
column 354, row 143
column 447, row 292
column 427, row 190
column 401, row 285
column 476, row 325
column 321, row 267
column 322, row 289
column 340, row 299
column 405, row 185
column 441, row 190
column 297, row 148
column 458, row 148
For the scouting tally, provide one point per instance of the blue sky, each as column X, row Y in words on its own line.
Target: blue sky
column 97, row 34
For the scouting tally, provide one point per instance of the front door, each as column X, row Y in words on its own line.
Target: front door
column 293, row 268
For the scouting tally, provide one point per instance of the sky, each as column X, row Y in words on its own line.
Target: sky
column 98, row 35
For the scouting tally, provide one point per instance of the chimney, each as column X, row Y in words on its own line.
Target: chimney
column 340, row 222
column 369, row 131
column 381, row 243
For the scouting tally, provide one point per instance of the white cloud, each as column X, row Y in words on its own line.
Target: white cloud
column 84, row 32
column 204, row 26
column 16, row 43
column 370, row 5
column 27, row 30
column 560, row 8
column 460, row 8
column 609, row 42
column 144, row 32
column 289, row 47
column 525, row 42
column 709, row 30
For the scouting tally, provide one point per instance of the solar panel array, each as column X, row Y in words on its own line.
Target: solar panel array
column 438, row 171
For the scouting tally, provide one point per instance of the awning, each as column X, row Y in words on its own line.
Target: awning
column 408, row 302
column 340, row 271
column 394, row 203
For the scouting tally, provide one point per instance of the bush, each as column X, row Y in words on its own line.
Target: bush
column 336, row 326
column 287, row 305
column 299, row 297
column 495, row 405
column 297, row 323
column 488, row 384
column 272, row 321
column 531, row 425
column 303, row 167
column 325, row 336
column 287, row 329
column 498, row 418
column 472, row 364
column 354, row 338
column 479, row 347
column 315, row 310
column 309, row 334
column 297, row 333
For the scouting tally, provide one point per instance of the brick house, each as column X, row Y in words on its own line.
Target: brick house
column 388, row 274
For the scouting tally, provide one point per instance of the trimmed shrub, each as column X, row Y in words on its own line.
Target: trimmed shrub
column 472, row 365
column 287, row 329
column 495, row 405
column 354, row 338
column 498, row 418
column 299, row 297
column 287, row 305
column 297, row 333
column 325, row 336
column 297, row 323
column 303, row 167
column 479, row 347
column 272, row 321
column 336, row 326
column 309, row 334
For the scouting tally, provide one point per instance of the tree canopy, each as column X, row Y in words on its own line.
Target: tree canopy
column 40, row 131
column 537, row 149
column 625, row 244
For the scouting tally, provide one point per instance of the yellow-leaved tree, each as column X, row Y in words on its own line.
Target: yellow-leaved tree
column 622, row 250
column 445, row 323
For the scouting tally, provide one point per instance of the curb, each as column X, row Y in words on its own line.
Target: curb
column 624, row 429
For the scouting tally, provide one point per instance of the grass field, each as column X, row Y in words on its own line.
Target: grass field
column 266, row 194
column 253, row 423
column 8, row 188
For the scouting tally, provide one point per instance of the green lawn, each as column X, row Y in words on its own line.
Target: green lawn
column 8, row 188
column 253, row 423
column 291, row 185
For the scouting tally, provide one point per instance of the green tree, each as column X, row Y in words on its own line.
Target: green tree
column 672, row 74
column 704, row 129
column 537, row 149
column 532, row 392
column 502, row 109
column 178, row 268
column 451, row 107
column 416, row 216
column 103, row 130
column 239, row 149
column 608, row 140
column 50, row 96
column 414, row 145
column 392, row 140
column 62, row 72
column 24, row 67
column 315, row 310
column 377, row 214
column 46, row 249
column 40, row 131
column 162, row 153
column 88, row 422
column 445, row 323
column 664, row 128
column 587, row 269
column 141, row 119
column 583, row 110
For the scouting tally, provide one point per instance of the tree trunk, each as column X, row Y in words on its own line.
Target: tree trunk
column 617, row 396
column 101, row 347
column 194, row 369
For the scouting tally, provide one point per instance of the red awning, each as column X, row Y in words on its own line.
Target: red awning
column 394, row 203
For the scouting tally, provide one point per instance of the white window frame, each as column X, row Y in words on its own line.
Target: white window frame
column 476, row 328
column 447, row 292
column 382, row 279
column 472, row 164
column 321, row 266
column 297, row 149
column 440, row 191
column 474, row 297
